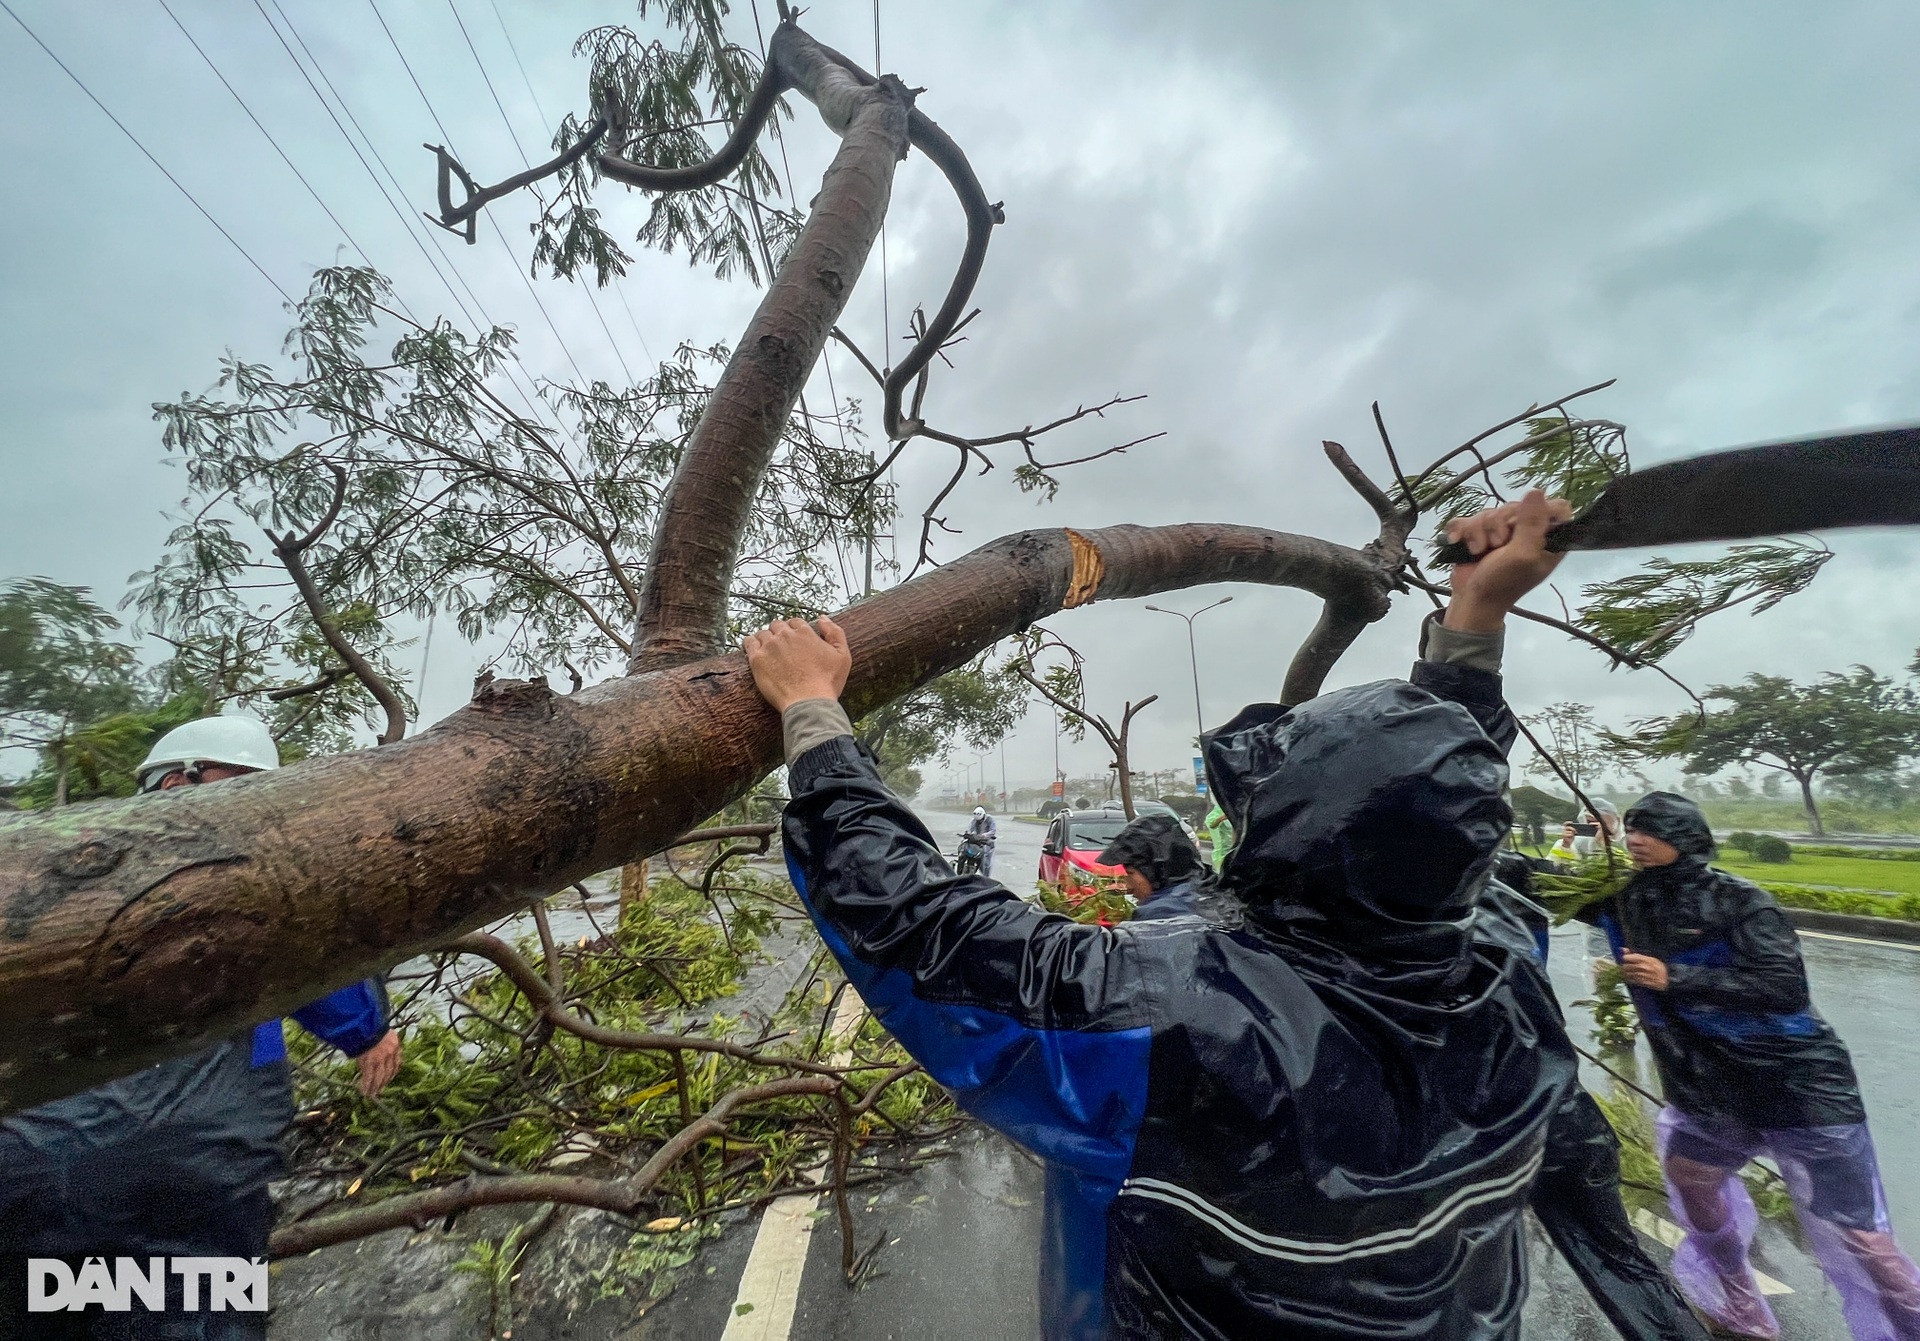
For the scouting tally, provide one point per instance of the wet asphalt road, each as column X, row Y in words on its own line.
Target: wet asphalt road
column 961, row 1238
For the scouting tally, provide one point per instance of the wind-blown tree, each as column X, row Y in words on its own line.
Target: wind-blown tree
column 1062, row 682
column 1578, row 748
column 1853, row 723
column 423, row 492
column 141, row 928
column 60, row 672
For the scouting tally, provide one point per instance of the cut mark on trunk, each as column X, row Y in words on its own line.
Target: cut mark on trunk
column 1088, row 570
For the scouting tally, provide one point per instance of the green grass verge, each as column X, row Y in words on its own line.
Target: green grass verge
column 1819, row 868
column 1858, row 903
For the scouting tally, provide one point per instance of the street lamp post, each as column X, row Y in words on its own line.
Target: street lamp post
column 1193, row 655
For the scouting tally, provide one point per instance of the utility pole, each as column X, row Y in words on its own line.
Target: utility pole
column 1193, row 656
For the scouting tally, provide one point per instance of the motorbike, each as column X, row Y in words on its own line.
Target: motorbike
column 966, row 861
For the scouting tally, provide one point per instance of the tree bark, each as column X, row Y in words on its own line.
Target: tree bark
column 132, row 930
column 1813, row 807
column 683, row 604
column 633, row 887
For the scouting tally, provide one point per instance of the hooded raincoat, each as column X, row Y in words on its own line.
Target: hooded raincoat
column 1156, row 848
column 1323, row 1122
column 1749, row 1067
column 1734, row 1034
column 1577, row 1196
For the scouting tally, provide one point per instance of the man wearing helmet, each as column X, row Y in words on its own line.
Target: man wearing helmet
column 985, row 833
column 174, row 1161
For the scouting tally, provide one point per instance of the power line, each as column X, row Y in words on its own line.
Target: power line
column 147, row 153
column 405, row 223
column 504, row 32
column 491, row 221
column 492, row 92
column 291, row 165
column 526, row 162
column 533, row 402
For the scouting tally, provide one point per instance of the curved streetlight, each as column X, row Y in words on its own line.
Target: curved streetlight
column 1192, row 655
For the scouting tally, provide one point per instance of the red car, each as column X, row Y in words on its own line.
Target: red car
column 1069, row 855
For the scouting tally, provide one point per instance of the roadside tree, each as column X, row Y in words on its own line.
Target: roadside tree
column 1852, row 724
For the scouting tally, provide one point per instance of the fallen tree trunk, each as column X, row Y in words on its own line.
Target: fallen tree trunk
column 137, row 929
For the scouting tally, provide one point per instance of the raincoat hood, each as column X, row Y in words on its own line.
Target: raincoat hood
column 1156, row 847
column 1366, row 821
column 1673, row 819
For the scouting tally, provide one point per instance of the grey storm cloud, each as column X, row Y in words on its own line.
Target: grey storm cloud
column 1262, row 217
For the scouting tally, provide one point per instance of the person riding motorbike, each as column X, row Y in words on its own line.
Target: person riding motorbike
column 1747, row 1065
column 984, row 833
column 1321, row 1120
column 172, row 1161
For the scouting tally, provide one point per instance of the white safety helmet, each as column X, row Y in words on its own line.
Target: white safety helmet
column 238, row 742
column 978, row 811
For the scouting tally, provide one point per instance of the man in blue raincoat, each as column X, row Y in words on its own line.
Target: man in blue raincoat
column 172, row 1161
column 1322, row 1119
column 1747, row 1065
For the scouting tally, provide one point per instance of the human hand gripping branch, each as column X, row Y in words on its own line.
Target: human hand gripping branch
column 1509, row 545
column 793, row 661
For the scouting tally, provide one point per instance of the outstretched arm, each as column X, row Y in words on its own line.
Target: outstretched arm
column 1036, row 1023
column 1461, row 647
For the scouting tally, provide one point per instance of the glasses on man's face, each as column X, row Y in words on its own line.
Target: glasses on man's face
column 194, row 774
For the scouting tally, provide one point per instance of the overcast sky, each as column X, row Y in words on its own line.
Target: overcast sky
column 1261, row 216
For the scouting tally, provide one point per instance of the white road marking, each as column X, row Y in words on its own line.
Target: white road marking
column 1663, row 1230
column 769, row 1293
column 1860, row 940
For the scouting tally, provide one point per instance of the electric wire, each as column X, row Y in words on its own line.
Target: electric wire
column 405, row 222
column 145, row 152
column 492, row 223
column 534, row 403
column 546, row 126
column 527, row 163
column 261, row 127
column 508, row 34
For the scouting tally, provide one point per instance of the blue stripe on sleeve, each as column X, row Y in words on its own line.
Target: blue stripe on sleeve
column 353, row 1019
column 1076, row 1098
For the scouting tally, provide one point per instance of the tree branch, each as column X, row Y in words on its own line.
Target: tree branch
column 622, row 1196
column 289, row 549
column 459, row 219
column 696, row 546
column 1505, row 424
column 774, row 80
column 541, row 995
column 281, row 887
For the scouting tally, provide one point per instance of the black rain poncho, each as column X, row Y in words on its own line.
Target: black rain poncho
column 1577, row 1196
column 1158, row 848
column 1323, row 1123
column 1734, row 1034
